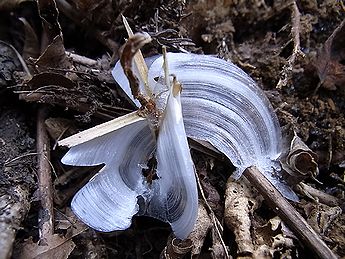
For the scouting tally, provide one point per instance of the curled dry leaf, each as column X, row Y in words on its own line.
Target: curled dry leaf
column 176, row 249
column 300, row 162
column 56, row 247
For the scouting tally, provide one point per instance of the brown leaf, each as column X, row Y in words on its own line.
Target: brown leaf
column 330, row 60
column 300, row 162
column 50, row 78
column 54, row 56
column 56, row 247
column 320, row 216
column 59, row 127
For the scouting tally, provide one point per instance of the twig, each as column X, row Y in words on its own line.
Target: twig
column 288, row 214
column 320, row 195
column 46, row 216
column 295, row 31
column 81, row 59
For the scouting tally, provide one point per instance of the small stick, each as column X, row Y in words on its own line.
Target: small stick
column 288, row 214
column 46, row 216
column 81, row 59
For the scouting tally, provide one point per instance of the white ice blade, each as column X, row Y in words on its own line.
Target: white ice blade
column 177, row 191
column 109, row 201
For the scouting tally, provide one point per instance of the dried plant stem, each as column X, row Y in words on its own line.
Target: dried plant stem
column 81, row 59
column 46, row 216
column 295, row 31
column 288, row 214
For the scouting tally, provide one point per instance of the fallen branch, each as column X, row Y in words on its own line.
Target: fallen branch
column 288, row 214
column 46, row 216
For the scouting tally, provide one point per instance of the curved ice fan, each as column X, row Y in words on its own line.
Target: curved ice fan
column 125, row 145
column 222, row 105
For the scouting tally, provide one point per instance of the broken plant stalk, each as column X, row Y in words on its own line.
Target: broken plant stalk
column 46, row 216
column 288, row 214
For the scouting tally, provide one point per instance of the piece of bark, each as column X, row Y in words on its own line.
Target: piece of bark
column 13, row 212
column 239, row 206
column 201, row 228
column 288, row 214
column 16, row 177
column 46, row 215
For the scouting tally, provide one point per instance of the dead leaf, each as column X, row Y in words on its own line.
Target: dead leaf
column 56, row 247
column 49, row 78
column 320, row 216
column 54, row 56
column 49, row 15
column 131, row 47
column 330, row 61
column 300, row 162
column 176, row 248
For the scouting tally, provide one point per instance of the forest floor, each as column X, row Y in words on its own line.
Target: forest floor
column 55, row 76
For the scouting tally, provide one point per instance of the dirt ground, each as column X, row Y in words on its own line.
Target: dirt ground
column 55, row 75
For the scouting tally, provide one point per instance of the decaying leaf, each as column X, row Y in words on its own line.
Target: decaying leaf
column 59, row 127
column 330, row 61
column 53, row 56
column 300, row 162
column 176, row 248
column 56, row 247
column 320, row 216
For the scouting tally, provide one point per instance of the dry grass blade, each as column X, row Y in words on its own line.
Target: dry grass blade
column 100, row 130
column 139, row 60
